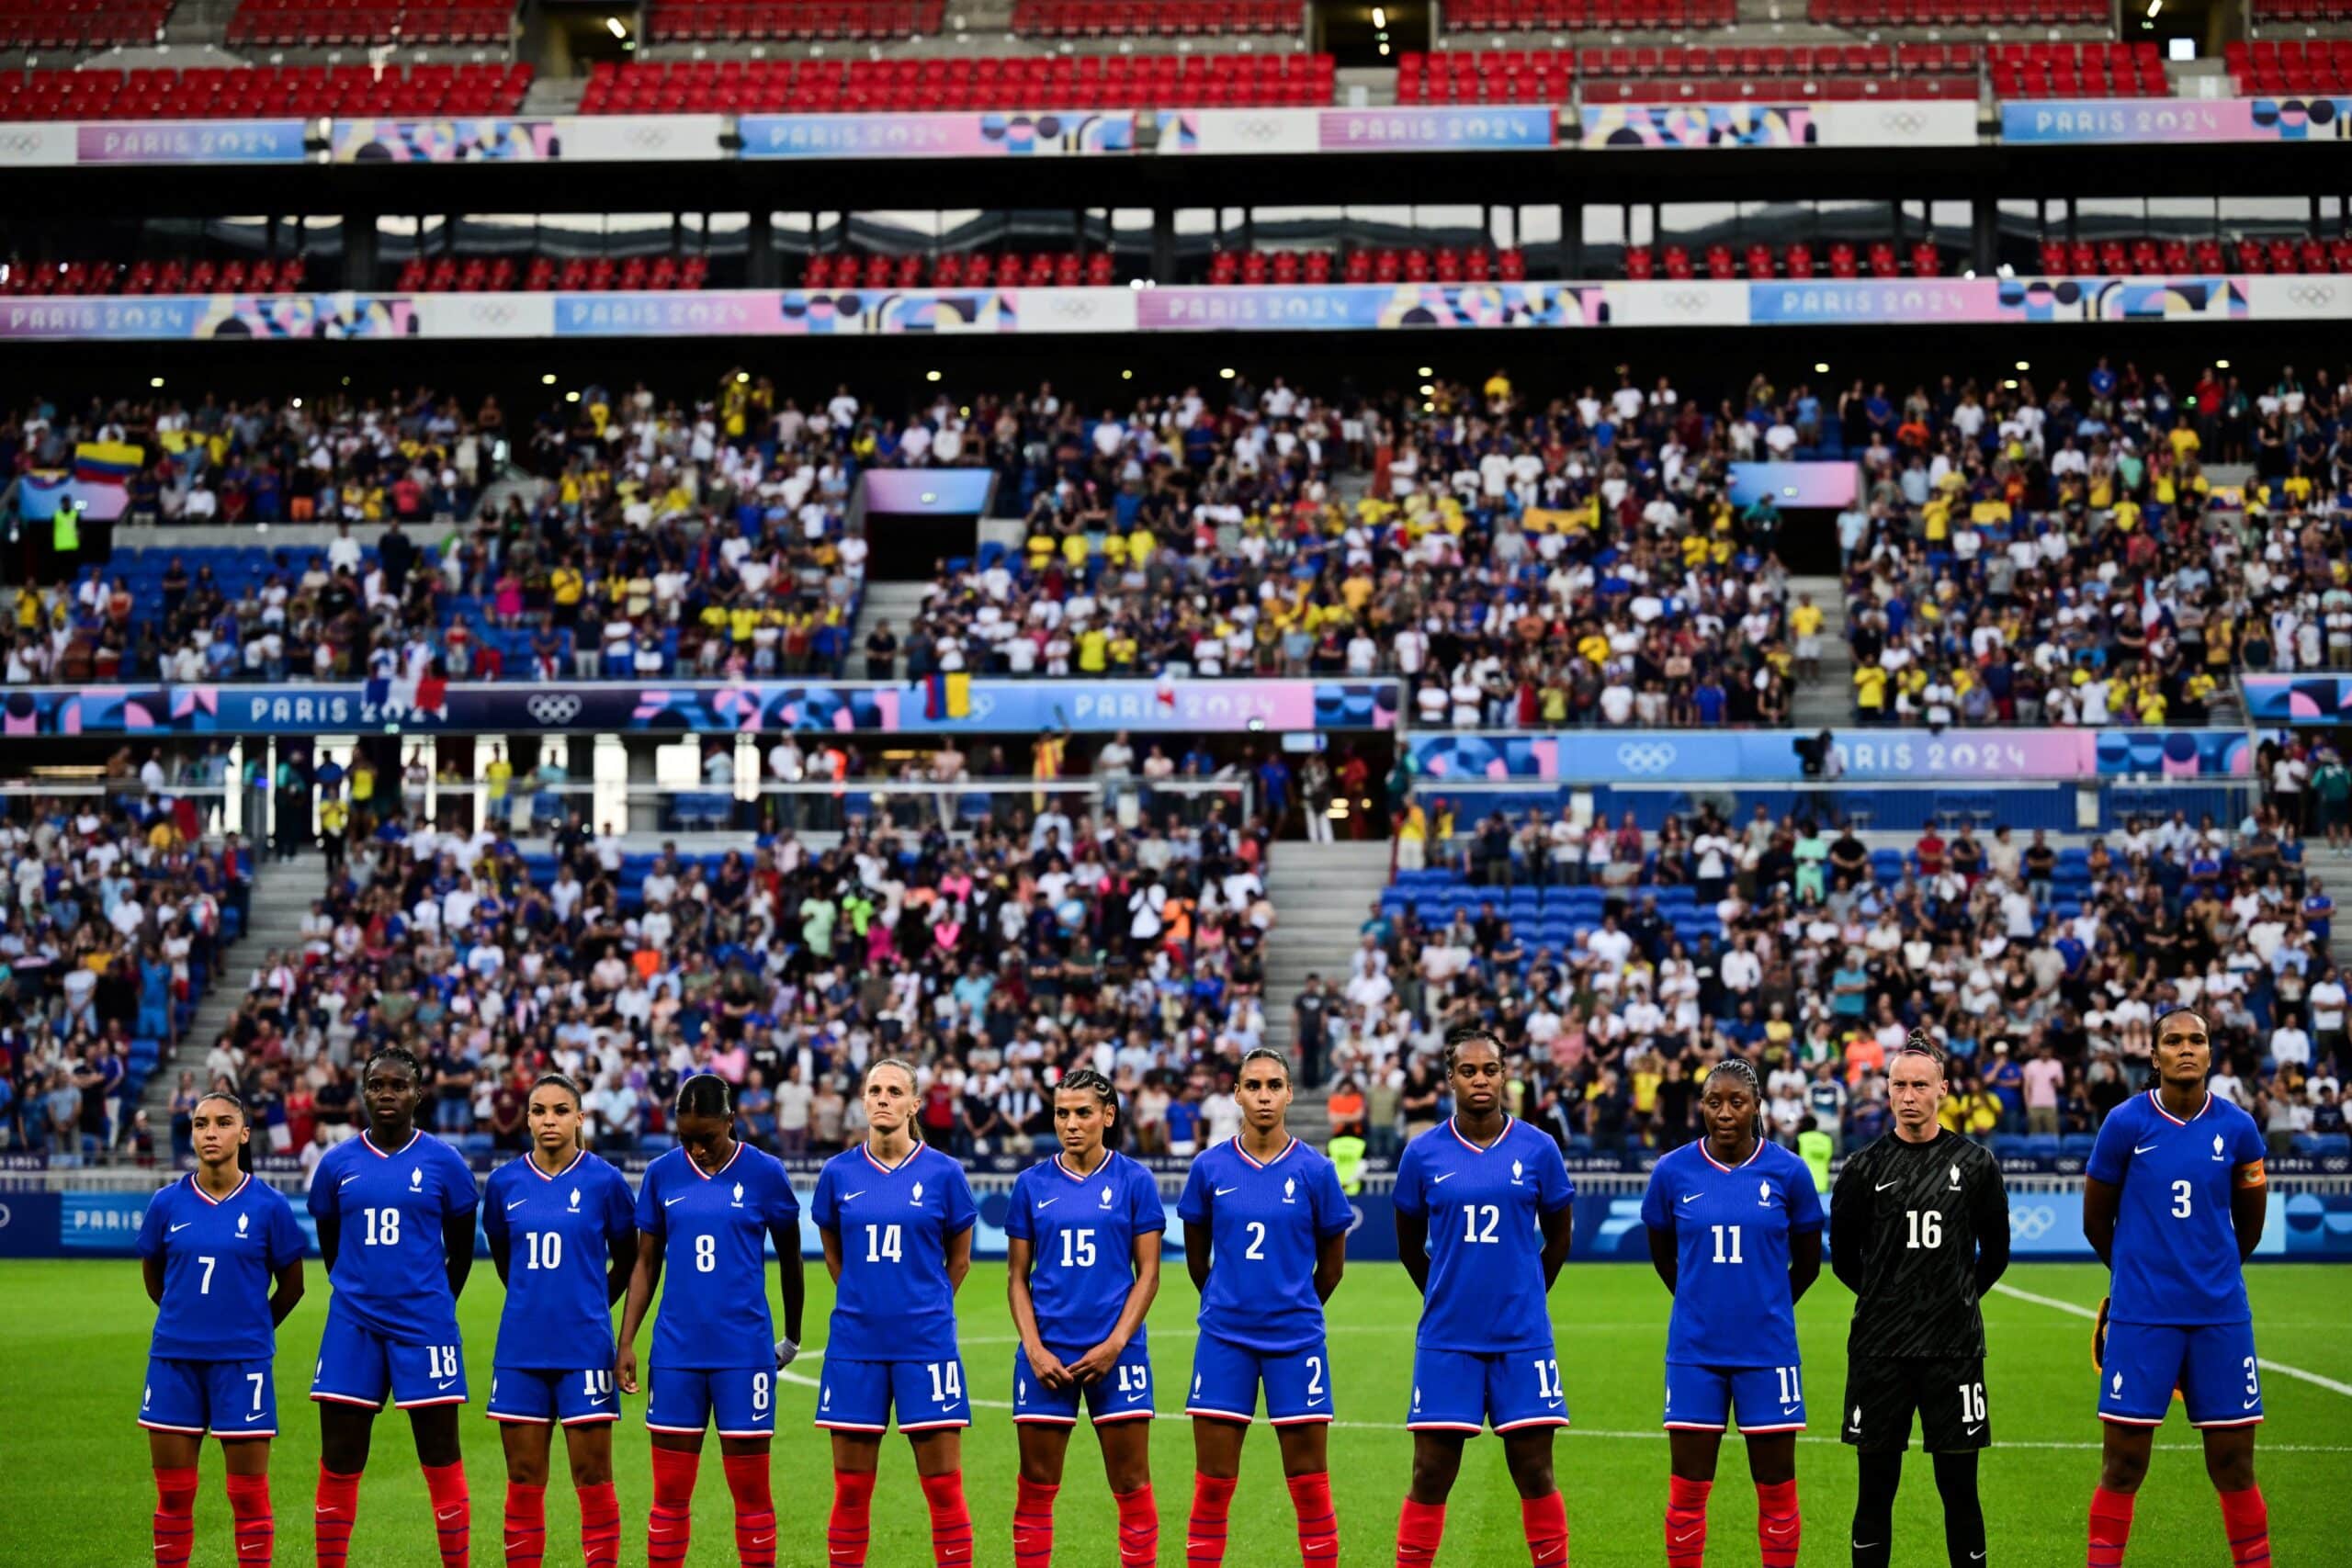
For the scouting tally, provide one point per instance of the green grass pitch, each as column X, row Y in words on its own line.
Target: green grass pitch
column 78, row 1493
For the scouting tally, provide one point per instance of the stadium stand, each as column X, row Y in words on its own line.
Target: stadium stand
column 1654, row 74
column 410, row 22
column 48, row 24
column 790, row 21
column 1839, row 258
column 1968, row 14
column 2289, row 65
column 1439, row 264
column 2076, row 71
column 446, row 274
column 261, row 275
column 962, row 82
column 1129, row 18
column 262, row 92
column 1608, row 16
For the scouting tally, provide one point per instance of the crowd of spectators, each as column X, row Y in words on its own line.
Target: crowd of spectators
column 117, row 917
column 996, row 961
column 2062, row 558
column 2044, row 997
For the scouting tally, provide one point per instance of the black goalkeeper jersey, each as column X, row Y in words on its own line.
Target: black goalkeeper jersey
column 1919, row 1232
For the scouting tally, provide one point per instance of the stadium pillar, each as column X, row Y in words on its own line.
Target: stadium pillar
column 764, row 267
column 1164, row 244
column 359, row 250
column 1984, row 237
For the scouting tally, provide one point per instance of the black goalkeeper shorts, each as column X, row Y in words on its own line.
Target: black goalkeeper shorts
column 1948, row 1392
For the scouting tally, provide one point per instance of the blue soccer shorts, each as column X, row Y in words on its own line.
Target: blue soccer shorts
column 1459, row 1391
column 741, row 1400
column 358, row 1366
column 1123, row 1393
column 229, row 1399
column 860, row 1396
column 1227, row 1377
column 2212, row 1364
column 1705, row 1399
column 536, row 1396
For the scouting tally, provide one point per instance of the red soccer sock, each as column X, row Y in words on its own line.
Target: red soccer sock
column 669, row 1527
column 1319, row 1524
column 527, row 1525
column 1778, row 1526
column 2245, row 1518
column 1545, row 1521
column 256, row 1526
column 1420, row 1527
column 845, row 1534
column 453, row 1512
column 332, row 1516
column 1686, row 1522
column 174, row 1516
column 747, row 1481
column 1205, row 1534
column 1033, row 1523
column 951, row 1522
column 1138, row 1528
column 600, row 1527
column 2110, row 1526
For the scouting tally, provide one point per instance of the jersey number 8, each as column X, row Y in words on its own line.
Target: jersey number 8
column 705, row 1255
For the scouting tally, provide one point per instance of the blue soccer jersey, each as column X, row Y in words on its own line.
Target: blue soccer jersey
column 713, row 1227
column 892, row 1301
column 557, row 1233
column 390, row 1275
column 1730, row 1226
column 2175, row 1253
column 1083, row 1230
column 219, row 1256
column 1266, row 1223
column 1486, row 1288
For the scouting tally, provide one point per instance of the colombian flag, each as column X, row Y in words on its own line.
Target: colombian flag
column 947, row 696
column 108, row 462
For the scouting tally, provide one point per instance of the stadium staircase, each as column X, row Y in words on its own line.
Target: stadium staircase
column 282, row 892
column 1827, row 703
column 2335, row 868
column 893, row 602
column 1322, row 892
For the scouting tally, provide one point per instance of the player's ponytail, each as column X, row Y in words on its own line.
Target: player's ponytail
column 244, row 1114
column 1919, row 1044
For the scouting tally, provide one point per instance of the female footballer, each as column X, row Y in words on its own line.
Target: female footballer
column 1265, row 1240
column 560, row 1235
column 897, row 1218
column 1082, row 1257
column 712, row 1204
column 1735, row 1225
column 222, row 1258
column 395, row 1213
column 1484, row 1205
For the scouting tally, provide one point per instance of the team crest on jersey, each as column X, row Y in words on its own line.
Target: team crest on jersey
column 415, row 1178
column 1290, row 1190
column 1417, row 1397
column 914, row 1197
column 1020, row 1391
column 1517, row 1171
column 2217, row 1148
column 2115, row 1389
column 1763, row 1195
column 1955, row 1177
column 241, row 1224
column 828, row 1400
column 737, row 1204
column 1106, row 1197
column 575, row 1198
column 1856, row 1423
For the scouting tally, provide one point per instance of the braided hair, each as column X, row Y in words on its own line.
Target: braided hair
column 1919, row 1044
column 1742, row 1070
column 706, row 1094
column 1463, row 1034
column 400, row 1054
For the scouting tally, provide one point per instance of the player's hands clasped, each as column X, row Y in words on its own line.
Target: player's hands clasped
column 1096, row 1364
column 1049, row 1369
column 625, row 1368
column 786, row 1352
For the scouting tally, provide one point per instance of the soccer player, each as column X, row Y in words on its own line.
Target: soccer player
column 896, row 1217
column 1265, row 1240
column 1734, row 1225
column 1921, row 1232
column 562, row 1237
column 2174, row 1205
column 716, row 1203
column 395, row 1213
column 222, row 1258
column 1483, row 1213
column 1083, row 1255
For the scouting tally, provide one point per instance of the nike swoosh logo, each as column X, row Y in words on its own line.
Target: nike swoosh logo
column 1972, row 1431
column 181, row 1226
column 1885, row 1184
column 1687, row 1197
column 1553, row 1404
column 1047, row 1202
column 520, row 1202
column 1789, row 1409
column 679, row 1198
column 1316, row 1401
column 859, row 1193
column 514, row 1546
column 346, row 1181
column 1686, row 1536
column 1223, row 1190
column 1976, row 1557
column 2141, row 1149
column 1442, row 1181
column 1133, row 1397
column 440, row 1514
column 2251, row 1403
column 1868, row 1545
column 447, row 1382
column 252, row 1418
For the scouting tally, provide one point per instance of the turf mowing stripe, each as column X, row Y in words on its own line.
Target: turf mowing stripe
column 2091, row 1314
column 818, row 1354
